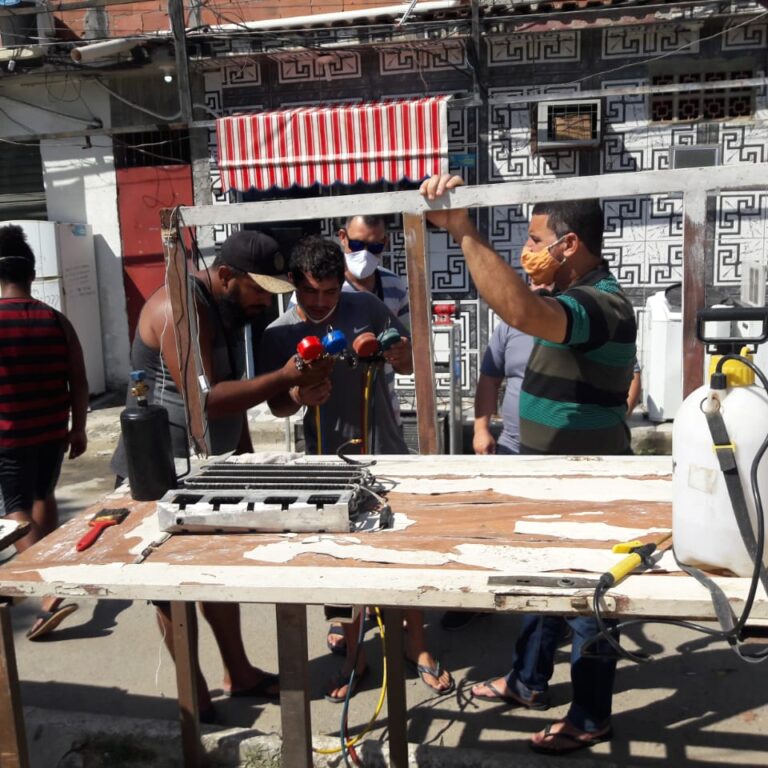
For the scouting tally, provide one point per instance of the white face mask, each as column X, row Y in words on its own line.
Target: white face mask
column 361, row 264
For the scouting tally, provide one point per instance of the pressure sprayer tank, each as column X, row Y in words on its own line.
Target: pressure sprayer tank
column 147, row 438
column 705, row 530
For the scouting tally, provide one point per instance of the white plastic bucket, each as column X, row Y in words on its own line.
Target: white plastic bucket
column 705, row 532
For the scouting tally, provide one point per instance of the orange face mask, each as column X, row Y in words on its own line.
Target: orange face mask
column 541, row 266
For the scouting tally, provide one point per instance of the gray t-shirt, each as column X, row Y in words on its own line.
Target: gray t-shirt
column 506, row 358
column 341, row 417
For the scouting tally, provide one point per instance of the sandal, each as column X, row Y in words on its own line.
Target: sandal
column 339, row 648
column 424, row 669
column 562, row 743
column 341, row 680
column 47, row 621
column 268, row 687
column 512, row 698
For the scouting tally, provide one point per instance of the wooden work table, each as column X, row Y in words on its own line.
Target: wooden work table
column 458, row 521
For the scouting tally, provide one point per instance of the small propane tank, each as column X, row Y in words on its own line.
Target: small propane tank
column 705, row 530
column 147, row 438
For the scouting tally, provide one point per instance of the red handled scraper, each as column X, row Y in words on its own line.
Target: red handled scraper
column 101, row 520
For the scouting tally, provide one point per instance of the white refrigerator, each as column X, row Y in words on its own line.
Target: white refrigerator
column 66, row 279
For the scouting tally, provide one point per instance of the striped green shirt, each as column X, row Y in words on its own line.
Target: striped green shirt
column 574, row 395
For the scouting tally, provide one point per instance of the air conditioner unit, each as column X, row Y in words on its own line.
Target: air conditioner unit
column 694, row 156
column 568, row 124
column 754, row 275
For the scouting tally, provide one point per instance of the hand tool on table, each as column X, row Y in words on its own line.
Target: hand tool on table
column 104, row 518
column 557, row 581
column 638, row 554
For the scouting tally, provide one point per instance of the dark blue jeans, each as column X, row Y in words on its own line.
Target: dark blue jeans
column 592, row 678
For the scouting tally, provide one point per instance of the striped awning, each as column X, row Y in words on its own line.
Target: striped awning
column 370, row 142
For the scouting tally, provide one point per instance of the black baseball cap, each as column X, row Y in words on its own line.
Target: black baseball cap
column 257, row 254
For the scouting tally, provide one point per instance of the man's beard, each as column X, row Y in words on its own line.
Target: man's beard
column 231, row 313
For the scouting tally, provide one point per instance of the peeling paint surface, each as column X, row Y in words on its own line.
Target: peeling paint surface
column 466, row 517
column 585, row 531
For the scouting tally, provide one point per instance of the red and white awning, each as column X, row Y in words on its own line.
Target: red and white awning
column 370, row 142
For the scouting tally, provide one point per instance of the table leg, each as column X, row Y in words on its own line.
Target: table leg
column 185, row 651
column 13, row 739
column 396, row 706
column 292, row 656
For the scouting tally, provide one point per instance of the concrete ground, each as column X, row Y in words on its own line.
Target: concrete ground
column 695, row 705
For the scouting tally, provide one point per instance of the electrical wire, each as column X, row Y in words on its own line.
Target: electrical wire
column 319, row 429
column 732, row 635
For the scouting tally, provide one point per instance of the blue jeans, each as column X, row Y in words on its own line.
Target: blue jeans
column 592, row 678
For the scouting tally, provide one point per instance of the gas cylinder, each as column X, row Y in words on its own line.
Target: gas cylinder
column 705, row 529
column 147, row 439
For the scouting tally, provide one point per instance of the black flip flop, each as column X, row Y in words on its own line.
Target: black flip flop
column 436, row 671
column 570, row 742
column 341, row 679
column 262, row 689
column 511, row 699
column 339, row 649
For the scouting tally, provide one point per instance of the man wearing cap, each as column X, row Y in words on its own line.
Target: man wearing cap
column 237, row 288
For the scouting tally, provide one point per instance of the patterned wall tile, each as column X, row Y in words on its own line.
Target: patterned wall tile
column 422, row 57
column 741, row 37
column 633, row 42
column 744, row 143
column 631, row 142
column 308, row 67
column 741, row 229
column 508, row 231
column 548, row 48
column 643, row 240
column 509, row 138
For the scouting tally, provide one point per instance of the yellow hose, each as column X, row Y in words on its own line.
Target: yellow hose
column 382, row 692
column 366, row 408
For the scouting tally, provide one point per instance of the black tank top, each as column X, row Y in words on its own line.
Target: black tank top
column 223, row 433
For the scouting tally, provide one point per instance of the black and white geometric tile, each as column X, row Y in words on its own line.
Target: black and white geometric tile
column 546, row 48
column 621, row 42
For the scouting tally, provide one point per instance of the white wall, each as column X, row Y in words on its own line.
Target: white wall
column 80, row 186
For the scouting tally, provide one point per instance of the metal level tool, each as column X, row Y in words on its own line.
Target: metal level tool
column 557, row 581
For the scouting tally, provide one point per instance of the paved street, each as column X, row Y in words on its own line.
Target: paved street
column 697, row 705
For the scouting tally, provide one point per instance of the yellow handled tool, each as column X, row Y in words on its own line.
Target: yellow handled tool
column 639, row 554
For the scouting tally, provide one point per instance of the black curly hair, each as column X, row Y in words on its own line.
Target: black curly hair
column 318, row 257
column 17, row 262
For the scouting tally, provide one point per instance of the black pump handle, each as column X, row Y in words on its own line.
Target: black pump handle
column 732, row 314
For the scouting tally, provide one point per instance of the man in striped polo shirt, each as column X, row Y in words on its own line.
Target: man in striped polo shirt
column 573, row 401
column 42, row 382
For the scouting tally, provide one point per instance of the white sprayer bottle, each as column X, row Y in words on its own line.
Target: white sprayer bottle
column 705, row 530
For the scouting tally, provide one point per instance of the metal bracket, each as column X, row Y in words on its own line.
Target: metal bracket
column 553, row 581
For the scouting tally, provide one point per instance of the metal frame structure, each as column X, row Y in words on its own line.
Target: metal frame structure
column 695, row 185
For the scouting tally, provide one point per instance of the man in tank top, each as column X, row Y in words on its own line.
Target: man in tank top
column 237, row 288
column 42, row 384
